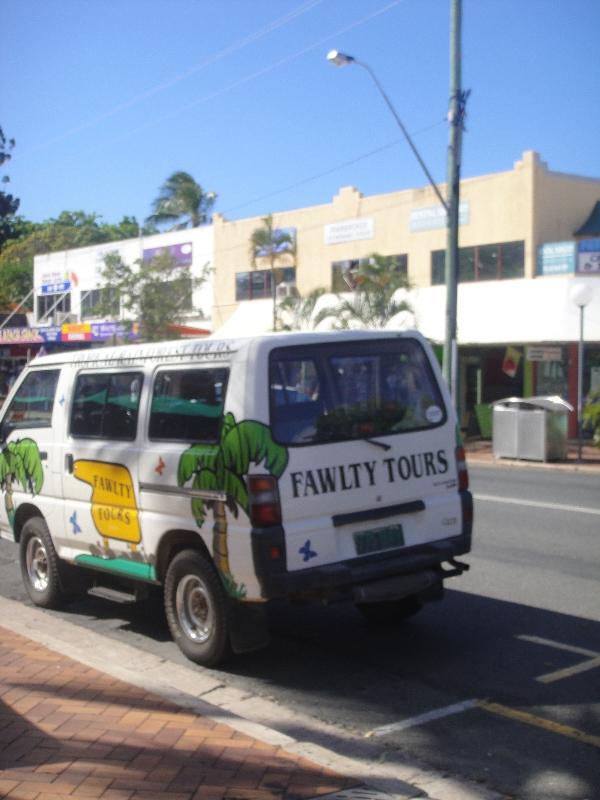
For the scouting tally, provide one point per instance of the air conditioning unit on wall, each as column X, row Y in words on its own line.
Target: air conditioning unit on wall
column 286, row 289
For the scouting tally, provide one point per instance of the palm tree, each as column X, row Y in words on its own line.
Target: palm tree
column 20, row 461
column 221, row 467
column 300, row 309
column 373, row 303
column 182, row 203
column 274, row 245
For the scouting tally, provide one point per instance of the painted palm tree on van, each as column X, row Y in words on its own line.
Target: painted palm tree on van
column 222, row 468
column 20, row 462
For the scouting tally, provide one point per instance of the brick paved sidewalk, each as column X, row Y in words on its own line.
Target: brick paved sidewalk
column 70, row 731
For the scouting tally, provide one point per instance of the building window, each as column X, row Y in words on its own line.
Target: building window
column 256, row 284
column 106, row 299
column 489, row 262
column 342, row 272
column 45, row 302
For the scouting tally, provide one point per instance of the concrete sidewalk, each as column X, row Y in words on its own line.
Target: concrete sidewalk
column 68, row 730
column 86, row 716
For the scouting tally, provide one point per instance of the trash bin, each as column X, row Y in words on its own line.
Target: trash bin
column 533, row 428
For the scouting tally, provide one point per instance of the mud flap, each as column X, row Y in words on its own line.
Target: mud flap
column 249, row 630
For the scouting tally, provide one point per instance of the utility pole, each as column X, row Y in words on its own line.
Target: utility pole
column 455, row 119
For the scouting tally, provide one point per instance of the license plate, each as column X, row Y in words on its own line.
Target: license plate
column 379, row 539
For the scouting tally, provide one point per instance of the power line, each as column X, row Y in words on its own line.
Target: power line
column 161, row 87
column 329, row 171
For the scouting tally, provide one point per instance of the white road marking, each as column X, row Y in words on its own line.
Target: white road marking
column 593, row 659
column 421, row 719
column 492, row 498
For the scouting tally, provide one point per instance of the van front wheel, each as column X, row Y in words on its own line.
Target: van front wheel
column 197, row 608
column 40, row 565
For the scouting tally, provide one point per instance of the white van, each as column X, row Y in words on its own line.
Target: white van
column 231, row 472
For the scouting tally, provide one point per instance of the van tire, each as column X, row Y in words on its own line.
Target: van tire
column 389, row 612
column 197, row 608
column 40, row 565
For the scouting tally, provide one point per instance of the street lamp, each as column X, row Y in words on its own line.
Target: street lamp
column 341, row 60
column 450, row 206
column 581, row 294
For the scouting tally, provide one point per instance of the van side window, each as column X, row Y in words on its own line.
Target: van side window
column 106, row 405
column 187, row 405
column 32, row 405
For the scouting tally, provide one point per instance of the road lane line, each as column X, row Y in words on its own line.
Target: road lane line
column 536, row 504
column 421, row 719
column 539, row 722
column 592, row 662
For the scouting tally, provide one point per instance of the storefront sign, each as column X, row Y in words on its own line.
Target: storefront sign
column 428, row 219
column 180, row 253
column 56, row 288
column 544, row 354
column 351, row 230
column 80, row 332
column 556, row 258
column 588, row 257
column 20, row 336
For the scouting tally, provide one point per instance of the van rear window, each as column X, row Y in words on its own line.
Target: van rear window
column 354, row 390
column 187, row 405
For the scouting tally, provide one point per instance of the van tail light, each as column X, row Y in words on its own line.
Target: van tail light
column 263, row 497
column 461, row 469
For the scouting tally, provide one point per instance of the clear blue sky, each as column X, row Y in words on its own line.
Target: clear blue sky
column 106, row 98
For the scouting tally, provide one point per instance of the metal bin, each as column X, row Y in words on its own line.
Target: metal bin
column 533, row 428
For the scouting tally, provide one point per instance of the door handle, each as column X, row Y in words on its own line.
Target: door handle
column 69, row 463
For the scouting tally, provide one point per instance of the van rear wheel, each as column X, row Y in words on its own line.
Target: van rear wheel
column 40, row 565
column 391, row 611
column 197, row 608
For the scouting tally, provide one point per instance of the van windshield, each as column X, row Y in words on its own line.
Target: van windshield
column 353, row 390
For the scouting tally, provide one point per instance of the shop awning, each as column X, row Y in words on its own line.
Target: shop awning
column 591, row 227
column 250, row 318
column 188, row 331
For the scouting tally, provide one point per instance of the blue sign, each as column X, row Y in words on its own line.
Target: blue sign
column 556, row 258
column 56, row 288
column 588, row 257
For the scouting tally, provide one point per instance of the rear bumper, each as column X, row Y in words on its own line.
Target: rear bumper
column 416, row 567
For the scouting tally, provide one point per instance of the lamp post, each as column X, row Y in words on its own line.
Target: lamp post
column 581, row 294
column 455, row 118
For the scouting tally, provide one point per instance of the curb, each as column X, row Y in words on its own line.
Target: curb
column 191, row 688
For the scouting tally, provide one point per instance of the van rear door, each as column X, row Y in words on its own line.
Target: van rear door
column 371, row 442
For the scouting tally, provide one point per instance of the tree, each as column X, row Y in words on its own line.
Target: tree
column 373, row 303
column 222, row 467
column 297, row 312
column 8, row 203
column 69, row 230
column 155, row 292
column 272, row 245
column 182, row 203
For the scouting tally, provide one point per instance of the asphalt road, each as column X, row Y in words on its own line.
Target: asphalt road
column 499, row 683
